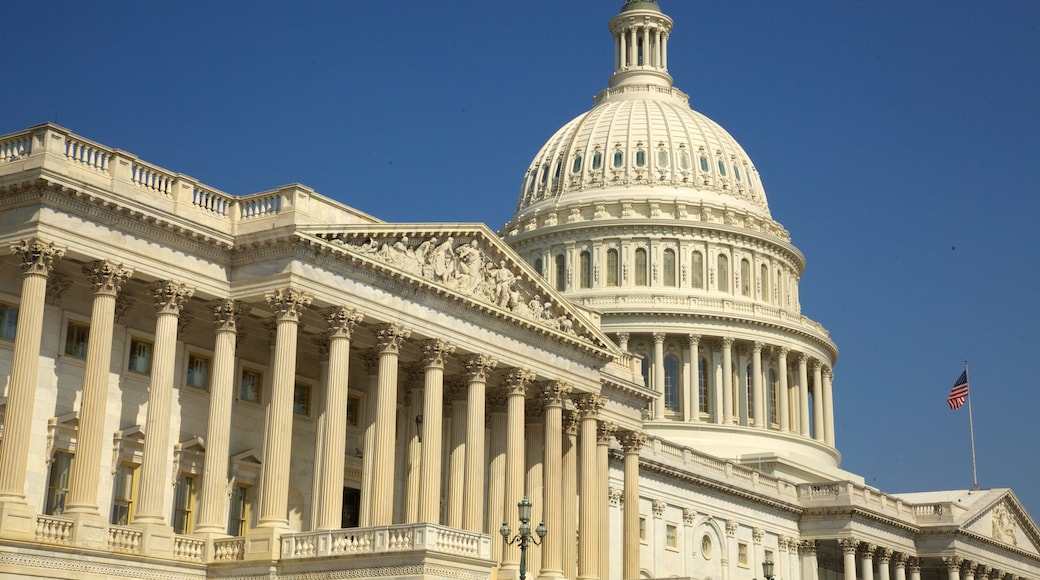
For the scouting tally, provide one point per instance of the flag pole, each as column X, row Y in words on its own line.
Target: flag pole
column 971, row 429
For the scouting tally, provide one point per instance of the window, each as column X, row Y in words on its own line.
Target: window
column 669, row 268
column 354, row 411
column 745, row 277
column 612, row 268
column 640, row 267
column 749, row 381
column 58, row 483
column 722, row 168
column 197, row 374
column 8, row 320
column 763, row 283
column 640, row 158
column 124, row 489
column 662, row 157
column 252, row 385
column 723, row 262
column 642, row 529
column 238, row 511
column 597, row 160
column 619, row 159
column 538, row 267
column 684, row 160
column 76, row 339
column 704, row 163
column 301, row 404
column 706, row 547
column 671, row 382
column 561, row 272
column 671, row 536
column 545, row 174
column 774, row 397
column 697, row 269
column 184, row 504
column 736, row 172
column 576, row 166
column 702, row 386
column 742, row 554
column 140, row 357
column 586, row 269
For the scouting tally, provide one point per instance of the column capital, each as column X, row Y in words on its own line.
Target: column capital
column 615, row 496
column 953, row 563
column 554, row 393
column 884, row 555
column 900, row 559
column 478, row 366
column 693, row 339
column 807, row 547
column 623, row 336
column 757, row 534
column 604, row 431
column 170, row 296
column 341, row 321
column 731, row 528
column 756, row 347
column 107, row 277
column 226, row 313
column 37, row 256
column 867, row 550
column 817, row 366
column 970, row 567
column 631, row 441
column 571, row 422
column 849, row 545
column 435, row 352
column 914, row 563
column 781, row 352
column 659, row 337
column 803, row 358
column 689, row 515
column 516, row 381
column 589, row 405
column 390, row 337
column 288, row 303
column 370, row 359
column 658, row 506
column 727, row 342
column 828, row 373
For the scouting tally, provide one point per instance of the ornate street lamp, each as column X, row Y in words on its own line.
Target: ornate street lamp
column 767, row 569
column 524, row 537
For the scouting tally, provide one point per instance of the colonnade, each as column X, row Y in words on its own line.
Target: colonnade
column 860, row 560
column 725, row 397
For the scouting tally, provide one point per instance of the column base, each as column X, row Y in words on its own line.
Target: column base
column 264, row 543
column 17, row 520
column 508, row 572
column 89, row 530
column 156, row 539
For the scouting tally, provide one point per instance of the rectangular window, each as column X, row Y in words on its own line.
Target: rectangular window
column 58, row 483
column 301, row 403
column 642, row 529
column 742, row 554
column 354, row 411
column 123, row 492
column 183, row 503
column 140, row 357
column 197, row 374
column 252, row 385
column 76, row 339
column 671, row 536
column 238, row 512
column 8, row 320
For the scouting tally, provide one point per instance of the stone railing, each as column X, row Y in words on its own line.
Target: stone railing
column 229, row 549
column 124, row 539
column 400, row 538
column 53, row 530
column 189, row 549
column 847, row 493
column 16, row 146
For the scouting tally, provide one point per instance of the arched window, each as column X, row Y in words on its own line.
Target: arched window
column 640, row 158
column 684, row 160
column 668, row 266
column 773, row 397
column 723, row 273
column 545, row 174
column 619, row 159
column 704, row 164
column 597, row 160
column 722, row 168
column 671, row 383
column 662, row 157
column 586, row 269
column 538, row 267
column 697, row 269
column 702, row 386
column 763, row 284
column 576, row 167
column 561, row 273
column 640, row 267
column 745, row 277
column 612, row 267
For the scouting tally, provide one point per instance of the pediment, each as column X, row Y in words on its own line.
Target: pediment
column 469, row 262
column 1005, row 521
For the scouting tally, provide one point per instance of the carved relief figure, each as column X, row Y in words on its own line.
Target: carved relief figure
column 1004, row 525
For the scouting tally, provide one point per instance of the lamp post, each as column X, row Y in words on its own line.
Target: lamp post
column 523, row 537
column 767, row 569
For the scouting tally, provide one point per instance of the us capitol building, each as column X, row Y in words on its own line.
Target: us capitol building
column 277, row 385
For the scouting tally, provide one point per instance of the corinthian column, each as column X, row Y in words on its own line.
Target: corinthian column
column 867, row 561
column 569, row 511
column 785, row 396
column 588, row 407
column 477, row 369
column 456, row 453
column 761, row 421
column 849, row 547
column 693, row 390
column 658, row 385
column 169, row 300
column 389, row 338
column 803, row 395
column 819, row 430
column 107, row 279
column 604, row 433
column 953, row 567
column 900, row 564
column 631, row 443
column 552, row 472
column 288, row 305
column 727, row 381
column 213, row 496
column 435, row 352
column 413, row 470
column 516, row 388
column 341, row 322
column 37, row 257
column 496, row 412
column 828, row 406
column 370, row 360
column 884, row 559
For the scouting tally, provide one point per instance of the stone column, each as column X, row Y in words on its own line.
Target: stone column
column 953, row 567
column 658, row 385
column 915, row 568
column 848, row 548
column 693, row 399
column 604, row 433
column 534, row 462
column 477, row 369
column 37, row 259
column 288, row 305
column 456, row 453
column 107, row 280
column 588, row 407
column 631, row 443
column 784, row 395
column 756, row 548
column 969, row 570
column 727, row 381
column 389, row 338
column 900, row 565
column 569, row 511
column 496, row 412
column 828, row 406
column 884, row 559
column 169, row 300
column 689, row 518
column 731, row 547
column 622, row 338
column 213, row 495
column 761, row 420
column 516, row 388
column 810, row 566
column 341, row 322
column 867, row 561
column 819, row 431
column 803, row 394
column 370, row 359
column 553, row 394
column 413, row 470
column 435, row 353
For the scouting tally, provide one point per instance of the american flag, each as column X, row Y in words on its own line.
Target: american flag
column 959, row 392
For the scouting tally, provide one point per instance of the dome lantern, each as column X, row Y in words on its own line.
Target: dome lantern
column 641, row 45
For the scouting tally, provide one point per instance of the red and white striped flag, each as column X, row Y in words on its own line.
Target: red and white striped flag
column 959, row 392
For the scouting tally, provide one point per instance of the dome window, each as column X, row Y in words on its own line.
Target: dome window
column 585, row 265
column 723, row 267
column 538, row 267
column 531, row 180
column 684, row 160
column 561, row 273
column 662, row 157
column 704, row 163
column 640, row 158
column 545, row 174
column 722, row 168
column 612, row 267
column 697, row 269
column 641, row 267
column 597, row 160
column 745, row 278
column 619, row 159
column 576, row 166
column 668, row 268
column 736, row 172
column 671, row 383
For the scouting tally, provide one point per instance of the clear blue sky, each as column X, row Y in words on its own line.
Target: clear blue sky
column 897, row 141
